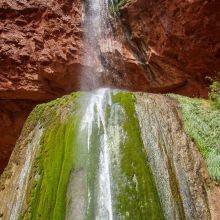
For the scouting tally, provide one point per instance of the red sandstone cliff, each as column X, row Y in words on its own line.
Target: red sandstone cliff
column 170, row 45
column 185, row 33
column 40, row 46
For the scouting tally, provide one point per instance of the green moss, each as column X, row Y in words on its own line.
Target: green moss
column 64, row 149
column 202, row 123
column 55, row 159
column 54, row 166
column 137, row 197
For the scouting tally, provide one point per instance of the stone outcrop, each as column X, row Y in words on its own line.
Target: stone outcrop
column 176, row 162
column 40, row 50
column 13, row 113
column 184, row 33
column 146, row 136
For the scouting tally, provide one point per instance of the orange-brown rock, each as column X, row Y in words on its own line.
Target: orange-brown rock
column 185, row 33
column 12, row 116
column 40, row 50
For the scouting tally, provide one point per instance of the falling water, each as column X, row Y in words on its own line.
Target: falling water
column 96, row 123
column 98, row 33
column 97, row 29
column 119, row 183
column 117, row 186
column 95, row 115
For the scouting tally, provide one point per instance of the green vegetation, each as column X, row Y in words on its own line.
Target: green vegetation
column 55, row 159
column 133, row 188
column 53, row 167
column 116, row 5
column 136, row 193
column 202, row 123
column 92, row 170
column 64, row 149
column 214, row 94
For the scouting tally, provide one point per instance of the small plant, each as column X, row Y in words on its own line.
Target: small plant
column 214, row 94
column 116, row 5
column 202, row 123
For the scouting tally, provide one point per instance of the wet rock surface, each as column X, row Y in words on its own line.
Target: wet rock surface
column 180, row 174
column 177, row 164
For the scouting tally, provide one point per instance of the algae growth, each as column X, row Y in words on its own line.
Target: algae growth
column 134, row 193
column 55, row 159
column 137, row 197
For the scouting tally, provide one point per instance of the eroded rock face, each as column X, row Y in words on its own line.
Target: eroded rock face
column 184, row 33
column 12, row 117
column 175, row 160
column 40, row 54
column 40, row 48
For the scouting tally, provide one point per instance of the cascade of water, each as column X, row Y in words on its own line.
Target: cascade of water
column 97, row 31
column 95, row 115
column 104, row 135
column 119, row 181
column 97, row 34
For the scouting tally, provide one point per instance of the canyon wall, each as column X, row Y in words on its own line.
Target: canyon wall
column 40, row 47
column 168, row 46
column 185, row 33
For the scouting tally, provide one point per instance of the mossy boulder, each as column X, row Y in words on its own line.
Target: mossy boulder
column 56, row 170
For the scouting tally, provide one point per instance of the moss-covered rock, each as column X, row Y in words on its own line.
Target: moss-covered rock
column 89, row 155
column 116, row 5
column 46, row 198
column 202, row 123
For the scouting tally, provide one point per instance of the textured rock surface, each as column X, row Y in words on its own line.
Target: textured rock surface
column 177, row 165
column 182, row 181
column 185, row 33
column 12, row 116
column 40, row 47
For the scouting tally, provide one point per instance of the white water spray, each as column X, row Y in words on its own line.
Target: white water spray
column 95, row 116
column 98, row 36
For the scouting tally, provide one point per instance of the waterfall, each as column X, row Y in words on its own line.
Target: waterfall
column 95, row 112
column 103, row 134
column 118, row 181
column 98, row 33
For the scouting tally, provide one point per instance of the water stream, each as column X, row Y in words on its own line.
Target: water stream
column 98, row 39
column 118, row 180
column 112, row 187
column 95, row 112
